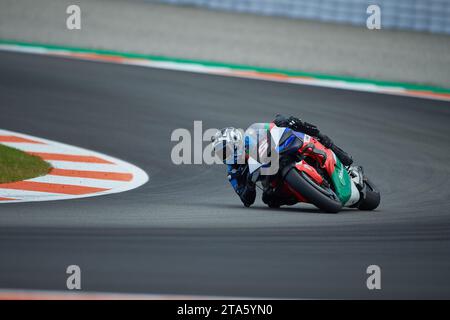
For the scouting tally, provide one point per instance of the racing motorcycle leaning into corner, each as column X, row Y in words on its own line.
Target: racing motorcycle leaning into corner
column 290, row 165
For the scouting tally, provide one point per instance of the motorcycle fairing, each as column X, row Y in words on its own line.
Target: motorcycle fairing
column 310, row 171
column 285, row 141
column 344, row 188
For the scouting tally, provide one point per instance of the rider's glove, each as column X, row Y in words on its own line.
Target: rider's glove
column 345, row 158
column 280, row 120
column 293, row 122
column 296, row 124
column 247, row 194
column 303, row 126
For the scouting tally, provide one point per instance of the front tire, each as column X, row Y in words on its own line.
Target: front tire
column 323, row 198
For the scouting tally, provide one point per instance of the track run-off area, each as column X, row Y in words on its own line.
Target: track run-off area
column 185, row 232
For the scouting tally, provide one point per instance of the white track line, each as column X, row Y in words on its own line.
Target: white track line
column 87, row 166
column 76, row 181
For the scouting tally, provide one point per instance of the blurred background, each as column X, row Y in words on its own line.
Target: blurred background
column 326, row 36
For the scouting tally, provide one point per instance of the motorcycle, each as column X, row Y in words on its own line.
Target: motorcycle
column 307, row 172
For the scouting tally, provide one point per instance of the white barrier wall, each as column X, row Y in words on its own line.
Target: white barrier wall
column 419, row 15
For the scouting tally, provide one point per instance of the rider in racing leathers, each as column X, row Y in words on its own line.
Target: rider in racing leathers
column 238, row 173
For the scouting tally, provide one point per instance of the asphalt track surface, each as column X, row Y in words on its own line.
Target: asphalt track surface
column 185, row 232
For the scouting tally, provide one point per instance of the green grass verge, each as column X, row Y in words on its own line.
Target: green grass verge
column 16, row 165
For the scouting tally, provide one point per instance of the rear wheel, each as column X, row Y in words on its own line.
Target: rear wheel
column 371, row 197
column 323, row 198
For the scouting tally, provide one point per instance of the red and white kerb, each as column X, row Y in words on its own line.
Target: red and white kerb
column 75, row 173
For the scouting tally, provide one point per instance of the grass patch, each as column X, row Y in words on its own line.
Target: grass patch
column 16, row 165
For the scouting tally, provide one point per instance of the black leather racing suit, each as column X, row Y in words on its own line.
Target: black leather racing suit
column 238, row 173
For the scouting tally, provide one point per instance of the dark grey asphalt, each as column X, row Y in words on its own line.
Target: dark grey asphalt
column 185, row 231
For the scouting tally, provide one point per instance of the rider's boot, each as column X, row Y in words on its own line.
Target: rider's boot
column 345, row 158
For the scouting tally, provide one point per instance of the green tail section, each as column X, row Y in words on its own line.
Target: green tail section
column 341, row 182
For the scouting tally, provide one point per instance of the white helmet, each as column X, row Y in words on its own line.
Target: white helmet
column 228, row 144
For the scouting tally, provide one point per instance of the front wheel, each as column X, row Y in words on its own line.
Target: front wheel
column 323, row 198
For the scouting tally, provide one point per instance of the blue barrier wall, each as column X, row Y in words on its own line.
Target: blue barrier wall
column 419, row 15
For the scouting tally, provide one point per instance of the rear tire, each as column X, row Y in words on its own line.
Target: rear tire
column 324, row 199
column 372, row 198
